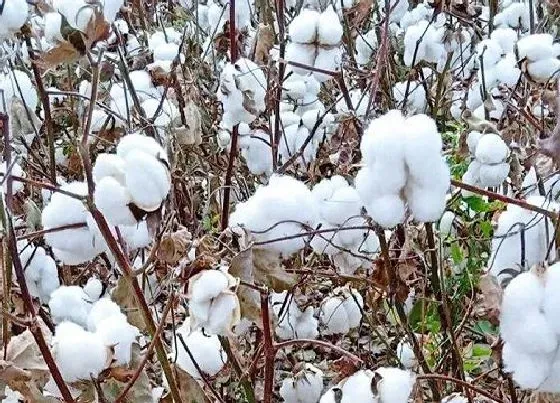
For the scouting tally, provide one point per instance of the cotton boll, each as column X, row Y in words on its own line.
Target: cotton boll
column 490, row 52
column 113, row 200
column 53, row 23
column 387, row 210
column 93, row 289
column 493, row 175
column 334, row 316
column 304, row 387
column 544, row 70
column 147, row 180
column 455, row 398
column 426, row 203
column 327, row 59
column 49, row 280
column 472, row 140
column 357, row 388
column 343, row 203
column 100, row 310
column 551, row 302
column 13, row 16
column 395, row 385
column 111, row 8
column 421, row 145
column 506, row 38
column 491, row 149
column 303, row 28
column 205, row 349
column 69, row 303
column 116, row 332
column 365, row 45
column 535, row 47
column 329, row 27
column 208, row 285
column 529, row 371
column 406, row 355
column 138, row 142
column 71, row 342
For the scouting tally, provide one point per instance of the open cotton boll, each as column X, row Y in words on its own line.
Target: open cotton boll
column 493, row 175
column 93, row 289
column 303, row 28
column 551, row 302
column 355, row 388
column 100, row 310
column 113, row 199
column 387, row 210
column 535, row 47
column 70, row 303
column 300, row 53
column 117, row 333
column 111, row 8
column 406, row 355
column 304, row 387
column 528, row 371
column 365, row 44
column 515, row 15
column 395, row 385
column 12, row 396
column 339, row 314
column 489, row 52
column 291, row 322
column 329, row 27
column 147, row 180
column 427, row 204
column 78, row 354
column 544, row 70
column 137, row 142
column 109, row 165
column 506, row 38
column 421, row 145
column 491, row 149
column 327, row 59
column 205, row 349
column 53, row 23
column 212, row 304
column 9, row 83
column 13, row 16
column 455, row 398
column 416, row 101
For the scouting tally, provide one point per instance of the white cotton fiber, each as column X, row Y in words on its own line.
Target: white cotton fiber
column 303, row 28
column 329, row 27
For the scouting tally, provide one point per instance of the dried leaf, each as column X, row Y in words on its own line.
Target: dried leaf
column 189, row 389
column 24, row 353
column 173, row 247
column 268, row 269
column 491, row 297
column 265, row 42
column 241, row 266
column 98, row 29
column 65, row 52
column 123, row 295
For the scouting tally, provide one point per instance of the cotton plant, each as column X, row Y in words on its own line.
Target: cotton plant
column 541, row 57
column 282, row 208
column 206, row 350
column 402, row 165
column 425, row 40
column 315, row 42
column 41, row 273
column 529, row 329
column 213, row 304
column 254, row 146
column 489, row 168
column 165, row 46
column 305, row 386
column 392, row 385
column 291, row 322
column 137, row 175
column 521, row 230
column 341, row 312
column 359, row 100
column 242, row 92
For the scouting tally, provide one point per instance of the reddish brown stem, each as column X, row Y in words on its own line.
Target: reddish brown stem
column 269, row 350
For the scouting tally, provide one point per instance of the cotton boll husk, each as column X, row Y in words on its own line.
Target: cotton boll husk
column 100, row 310
column 78, row 354
column 147, row 180
column 116, row 332
column 529, row 371
column 395, row 385
column 113, row 199
column 206, row 351
column 491, row 149
column 387, row 210
column 329, row 27
column 303, row 28
column 327, row 59
column 544, row 70
column 535, row 47
column 493, row 175
column 334, row 316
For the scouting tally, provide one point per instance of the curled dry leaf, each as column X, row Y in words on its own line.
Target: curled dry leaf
column 123, row 296
column 174, row 246
column 491, row 299
column 265, row 42
column 189, row 389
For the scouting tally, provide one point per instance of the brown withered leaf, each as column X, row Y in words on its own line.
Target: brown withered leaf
column 64, row 52
column 268, row 269
column 491, row 293
column 24, row 353
column 343, row 368
column 189, row 389
column 98, row 29
column 174, row 246
column 265, row 42
column 123, row 296
column 241, row 266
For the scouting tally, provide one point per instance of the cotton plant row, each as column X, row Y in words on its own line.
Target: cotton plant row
column 489, row 168
column 529, row 328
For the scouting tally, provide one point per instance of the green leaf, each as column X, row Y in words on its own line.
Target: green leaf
column 486, row 228
column 485, row 327
column 456, row 253
column 476, row 204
